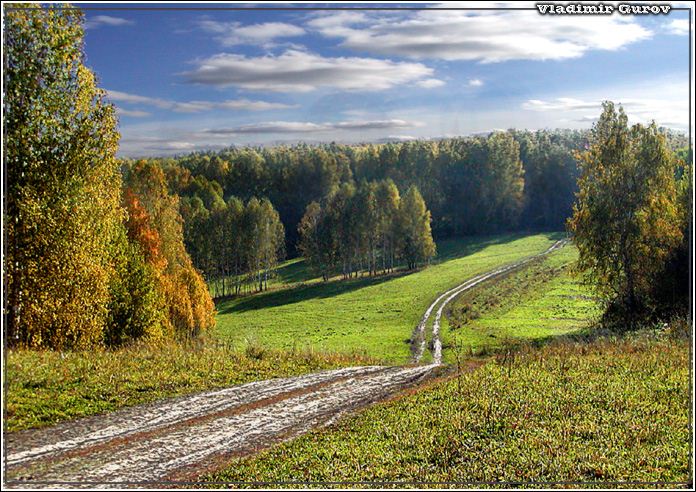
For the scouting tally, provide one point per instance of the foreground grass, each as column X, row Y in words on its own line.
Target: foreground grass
column 540, row 301
column 45, row 387
column 375, row 314
column 610, row 410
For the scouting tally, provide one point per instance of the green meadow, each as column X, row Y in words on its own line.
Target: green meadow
column 369, row 316
column 542, row 300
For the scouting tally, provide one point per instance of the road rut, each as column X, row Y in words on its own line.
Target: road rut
column 167, row 440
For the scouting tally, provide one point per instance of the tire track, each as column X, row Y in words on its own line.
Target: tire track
column 418, row 338
column 198, row 429
column 28, row 445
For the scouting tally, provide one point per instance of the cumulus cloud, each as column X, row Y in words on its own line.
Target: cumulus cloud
column 300, row 71
column 475, row 82
column 486, row 36
column 308, row 127
column 234, row 33
column 430, row 83
column 106, row 20
column 196, row 106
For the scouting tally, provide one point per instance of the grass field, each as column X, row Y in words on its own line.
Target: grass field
column 45, row 387
column 609, row 410
column 370, row 315
column 542, row 300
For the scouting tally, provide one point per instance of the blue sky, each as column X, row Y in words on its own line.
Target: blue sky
column 187, row 80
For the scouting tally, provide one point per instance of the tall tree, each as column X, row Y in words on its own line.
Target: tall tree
column 415, row 237
column 62, row 186
column 625, row 220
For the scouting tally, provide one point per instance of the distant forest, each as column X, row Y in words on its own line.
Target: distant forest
column 504, row 181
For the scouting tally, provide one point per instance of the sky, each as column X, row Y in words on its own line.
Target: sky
column 189, row 80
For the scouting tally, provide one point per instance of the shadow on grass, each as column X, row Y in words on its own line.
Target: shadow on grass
column 295, row 271
column 303, row 292
column 584, row 335
column 298, row 271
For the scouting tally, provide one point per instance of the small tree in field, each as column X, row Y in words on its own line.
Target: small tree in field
column 625, row 220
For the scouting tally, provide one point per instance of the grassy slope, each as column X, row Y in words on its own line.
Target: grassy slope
column 611, row 410
column 542, row 300
column 44, row 387
column 374, row 316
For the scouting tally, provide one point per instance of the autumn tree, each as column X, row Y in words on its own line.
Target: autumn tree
column 158, row 230
column 62, row 212
column 625, row 220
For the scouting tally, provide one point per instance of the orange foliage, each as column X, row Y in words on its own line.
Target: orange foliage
column 141, row 231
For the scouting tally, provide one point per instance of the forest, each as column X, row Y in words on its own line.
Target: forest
column 499, row 182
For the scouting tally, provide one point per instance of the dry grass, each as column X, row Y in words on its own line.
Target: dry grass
column 44, row 387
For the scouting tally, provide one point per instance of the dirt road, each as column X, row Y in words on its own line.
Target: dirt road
column 418, row 339
column 178, row 439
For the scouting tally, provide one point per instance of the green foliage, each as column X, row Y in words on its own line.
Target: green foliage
column 670, row 288
column 62, row 183
column 45, row 387
column 366, row 229
column 234, row 245
column 473, row 185
column 413, row 236
column 136, row 307
column 626, row 220
column 611, row 410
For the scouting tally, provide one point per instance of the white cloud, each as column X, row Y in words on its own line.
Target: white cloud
column 679, row 27
column 119, row 96
column 234, row 33
column 106, row 20
column 196, row 106
column 487, row 36
column 475, row 82
column 299, row 71
column 307, row 127
column 135, row 113
column 430, row 83
column 662, row 101
column 560, row 104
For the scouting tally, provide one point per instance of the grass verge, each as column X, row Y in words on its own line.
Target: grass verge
column 45, row 387
column 537, row 302
column 605, row 411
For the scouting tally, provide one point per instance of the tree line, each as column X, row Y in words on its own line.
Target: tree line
column 94, row 251
column 367, row 228
column 472, row 185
